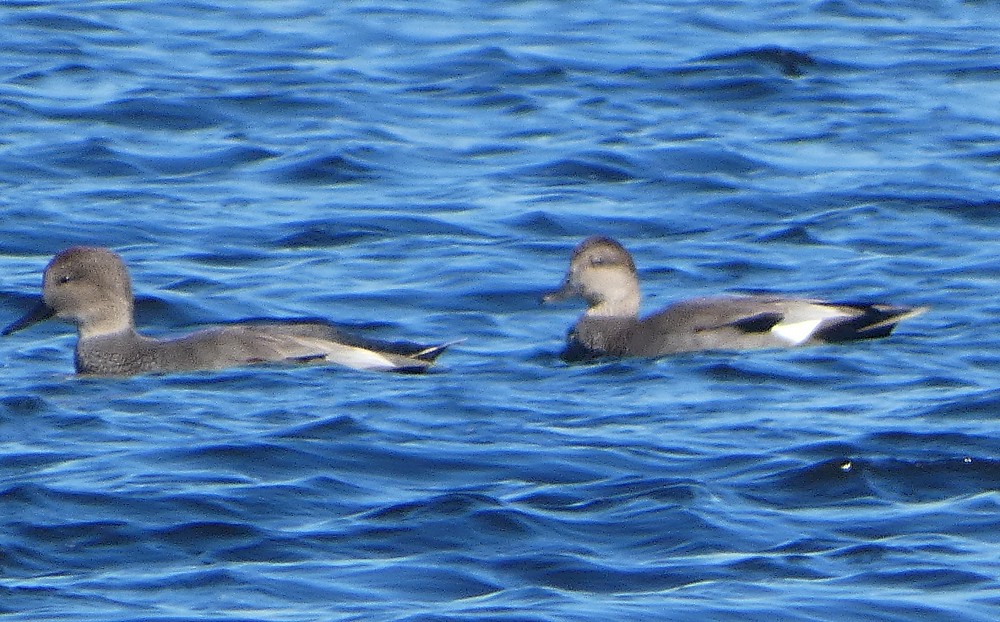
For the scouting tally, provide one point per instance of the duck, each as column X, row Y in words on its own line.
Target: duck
column 90, row 287
column 603, row 273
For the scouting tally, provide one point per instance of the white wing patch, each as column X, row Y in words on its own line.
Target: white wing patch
column 796, row 333
column 350, row 356
column 299, row 347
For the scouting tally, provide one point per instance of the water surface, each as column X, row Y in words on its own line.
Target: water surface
column 423, row 172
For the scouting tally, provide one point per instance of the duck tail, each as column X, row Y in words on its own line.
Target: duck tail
column 431, row 353
column 870, row 322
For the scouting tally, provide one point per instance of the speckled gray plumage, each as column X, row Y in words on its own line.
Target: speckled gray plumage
column 603, row 273
column 90, row 287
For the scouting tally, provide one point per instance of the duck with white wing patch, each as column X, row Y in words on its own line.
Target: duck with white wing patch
column 91, row 288
column 603, row 273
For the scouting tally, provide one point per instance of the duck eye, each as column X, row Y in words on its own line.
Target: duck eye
column 66, row 278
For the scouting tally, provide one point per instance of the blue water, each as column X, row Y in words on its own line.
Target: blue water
column 422, row 171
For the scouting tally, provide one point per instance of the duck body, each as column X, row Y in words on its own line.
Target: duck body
column 603, row 273
column 730, row 323
column 90, row 287
column 129, row 352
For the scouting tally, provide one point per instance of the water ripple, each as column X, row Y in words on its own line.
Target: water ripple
column 423, row 172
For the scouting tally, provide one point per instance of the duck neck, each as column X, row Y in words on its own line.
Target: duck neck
column 624, row 305
column 112, row 322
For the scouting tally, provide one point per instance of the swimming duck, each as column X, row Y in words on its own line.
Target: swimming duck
column 91, row 288
column 603, row 273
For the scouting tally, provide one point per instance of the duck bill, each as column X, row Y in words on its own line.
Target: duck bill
column 564, row 292
column 40, row 313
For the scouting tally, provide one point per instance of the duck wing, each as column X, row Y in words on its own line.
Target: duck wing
column 317, row 340
column 750, row 322
column 259, row 341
